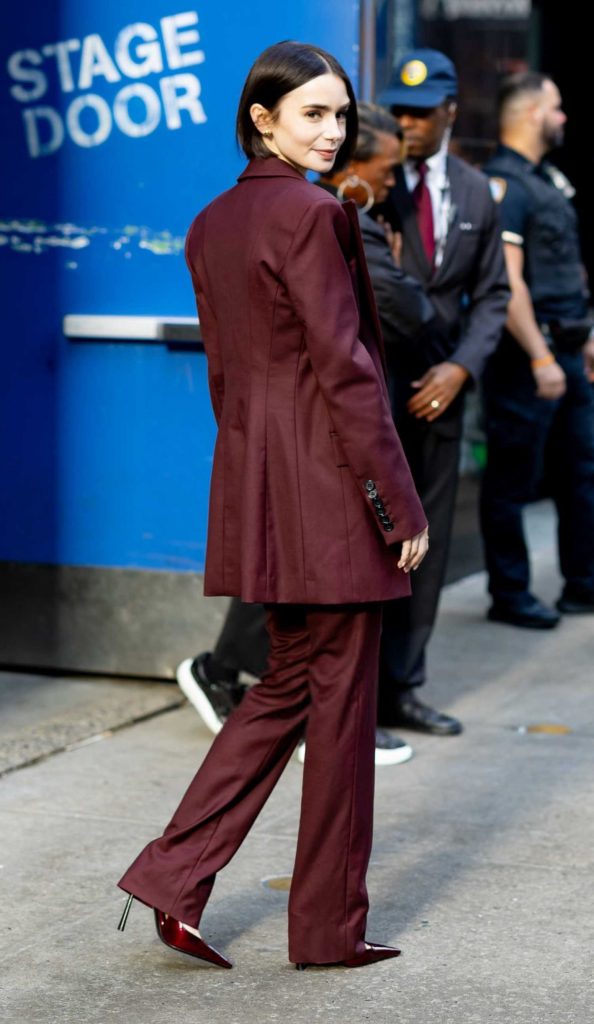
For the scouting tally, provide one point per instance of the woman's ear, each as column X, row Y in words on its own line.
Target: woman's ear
column 261, row 118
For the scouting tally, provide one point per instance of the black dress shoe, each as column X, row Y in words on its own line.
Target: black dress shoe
column 574, row 602
column 529, row 613
column 413, row 714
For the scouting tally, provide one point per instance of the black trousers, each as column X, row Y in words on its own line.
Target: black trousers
column 529, row 438
column 242, row 645
column 433, row 452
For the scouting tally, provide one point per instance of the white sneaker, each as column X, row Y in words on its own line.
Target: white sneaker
column 388, row 749
column 391, row 749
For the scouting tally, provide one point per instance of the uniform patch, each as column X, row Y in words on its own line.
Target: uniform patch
column 559, row 180
column 498, row 188
column 414, row 72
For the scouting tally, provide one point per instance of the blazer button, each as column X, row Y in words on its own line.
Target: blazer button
column 369, row 485
column 388, row 527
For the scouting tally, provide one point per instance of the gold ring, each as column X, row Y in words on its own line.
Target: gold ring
column 434, row 403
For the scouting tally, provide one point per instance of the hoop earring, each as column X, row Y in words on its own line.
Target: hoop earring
column 354, row 181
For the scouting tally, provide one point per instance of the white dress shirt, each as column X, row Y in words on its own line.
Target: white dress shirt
column 436, row 180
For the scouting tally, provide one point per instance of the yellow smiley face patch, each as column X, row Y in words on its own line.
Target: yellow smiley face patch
column 414, row 72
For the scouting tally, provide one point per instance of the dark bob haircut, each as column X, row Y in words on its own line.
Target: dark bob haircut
column 277, row 71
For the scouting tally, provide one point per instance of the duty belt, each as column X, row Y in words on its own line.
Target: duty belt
column 566, row 335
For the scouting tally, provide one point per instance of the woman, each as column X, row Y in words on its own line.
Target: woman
column 211, row 682
column 310, row 491
column 403, row 307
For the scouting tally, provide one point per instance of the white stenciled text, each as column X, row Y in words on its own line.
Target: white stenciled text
column 101, row 87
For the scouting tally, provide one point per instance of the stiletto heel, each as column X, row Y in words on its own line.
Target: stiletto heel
column 177, row 936
column 125, row 913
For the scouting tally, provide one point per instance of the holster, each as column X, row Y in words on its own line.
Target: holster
column 567, row 335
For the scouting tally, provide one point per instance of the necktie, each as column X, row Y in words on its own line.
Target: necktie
column 422, row 200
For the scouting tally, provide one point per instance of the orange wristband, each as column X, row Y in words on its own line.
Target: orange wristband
column 536, row 364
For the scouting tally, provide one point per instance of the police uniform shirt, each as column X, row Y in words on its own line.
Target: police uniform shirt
column 518, row 206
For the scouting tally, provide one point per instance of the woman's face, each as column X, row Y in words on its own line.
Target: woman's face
column 378, row 172
column 310, row 124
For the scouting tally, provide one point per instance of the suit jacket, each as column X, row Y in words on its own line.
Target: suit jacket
column 310, row 485
column 469, row 291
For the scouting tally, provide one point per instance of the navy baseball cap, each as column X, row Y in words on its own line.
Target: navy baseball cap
column 423, row 78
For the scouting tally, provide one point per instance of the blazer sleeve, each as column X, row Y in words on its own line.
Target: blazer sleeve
column 208, row 326
column 488, row 293
column 319, row 284
column 403, row 307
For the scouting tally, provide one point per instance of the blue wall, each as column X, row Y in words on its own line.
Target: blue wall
column 112, row 141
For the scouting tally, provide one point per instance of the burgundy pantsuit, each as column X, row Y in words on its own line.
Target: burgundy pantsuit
column 310, row 490
column 322, row 671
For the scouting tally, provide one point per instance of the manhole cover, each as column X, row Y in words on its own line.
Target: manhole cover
column 279, row 882
column 553, row 728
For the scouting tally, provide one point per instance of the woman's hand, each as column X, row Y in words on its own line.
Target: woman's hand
column 414, row 551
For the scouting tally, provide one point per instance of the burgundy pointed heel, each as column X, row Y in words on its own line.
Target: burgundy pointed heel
column 371, row 954
column 176, row 935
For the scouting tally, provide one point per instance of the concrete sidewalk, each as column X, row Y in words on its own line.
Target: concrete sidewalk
column 481, row 869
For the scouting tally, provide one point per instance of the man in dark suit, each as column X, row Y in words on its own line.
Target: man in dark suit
column 451, row 243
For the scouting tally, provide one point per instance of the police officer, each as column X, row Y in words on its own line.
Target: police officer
column 538, row 395
column 451, row 243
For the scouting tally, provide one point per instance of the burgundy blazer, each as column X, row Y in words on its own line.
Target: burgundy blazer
column 310, row 486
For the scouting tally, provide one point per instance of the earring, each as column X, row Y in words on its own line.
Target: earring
column 354, row 182
column 267, row 134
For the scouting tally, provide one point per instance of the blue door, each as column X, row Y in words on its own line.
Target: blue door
column 119, row 126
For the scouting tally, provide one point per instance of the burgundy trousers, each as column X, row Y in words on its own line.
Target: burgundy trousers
column 322, row 678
